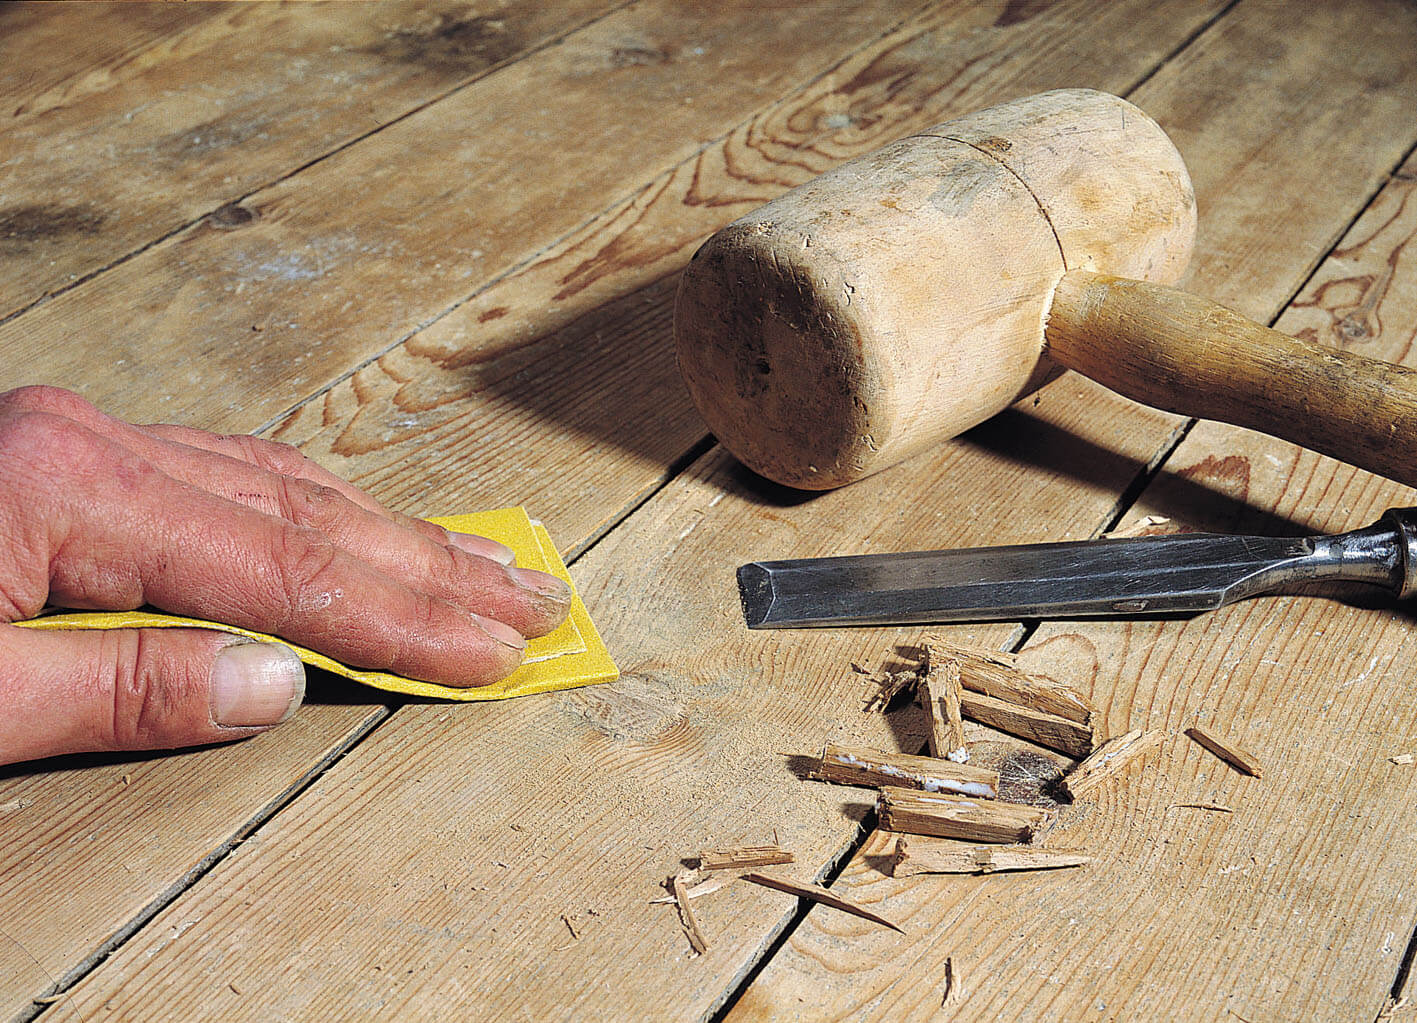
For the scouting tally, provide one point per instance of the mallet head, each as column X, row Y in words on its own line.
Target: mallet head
column 900, row 299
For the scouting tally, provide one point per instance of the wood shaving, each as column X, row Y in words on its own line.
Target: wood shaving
column 743, row 856
column 1401, row 760
column 1151, row 525
column 1217, row 807
column 697, row 891
column 816, row 893
column 686, row 913
column 888, row 685
column 1231, row 754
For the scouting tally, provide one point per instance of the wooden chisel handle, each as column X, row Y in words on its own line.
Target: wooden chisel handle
column 1186, row 354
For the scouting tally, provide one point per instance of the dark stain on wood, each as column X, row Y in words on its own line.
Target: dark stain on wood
column 231, row 216
column 25, row 225
column 1018, row 11
column 637, row 55
column 1025, row 776
column 453, row 46
column 204, row 140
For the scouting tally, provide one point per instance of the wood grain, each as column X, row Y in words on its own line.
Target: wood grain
column 1292, row 907
column 84, row 50
column 154, row 124
column 419, row 875
column 543, row 343
column 92, row 845
column 188, row 822
column 393, row 233
column 645, row 782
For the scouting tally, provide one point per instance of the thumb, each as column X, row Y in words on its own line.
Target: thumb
column 135, row 689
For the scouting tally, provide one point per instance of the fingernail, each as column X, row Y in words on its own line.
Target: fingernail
column 482, row 547
column 543, row 584
column 256, row 684
column 501, row 632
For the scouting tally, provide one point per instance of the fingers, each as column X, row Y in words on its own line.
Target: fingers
column 464, row 571
column 136, row 689
column 217, row 461
column 531, row 602
column 183, row 452
column 130, row 535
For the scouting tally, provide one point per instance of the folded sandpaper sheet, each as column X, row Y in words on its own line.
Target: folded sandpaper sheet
column 573, row 655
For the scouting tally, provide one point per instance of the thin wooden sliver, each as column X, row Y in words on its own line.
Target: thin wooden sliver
column 1232, row 755
column 817, row 893
column 686, row 912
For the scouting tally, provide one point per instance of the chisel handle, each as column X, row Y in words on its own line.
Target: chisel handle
column 1186, row 354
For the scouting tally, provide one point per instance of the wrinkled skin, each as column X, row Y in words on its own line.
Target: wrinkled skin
column 97, row 513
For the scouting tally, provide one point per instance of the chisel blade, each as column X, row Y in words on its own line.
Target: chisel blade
column 1181, row 573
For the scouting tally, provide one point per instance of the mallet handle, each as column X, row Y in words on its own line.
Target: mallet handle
column 1186, row 354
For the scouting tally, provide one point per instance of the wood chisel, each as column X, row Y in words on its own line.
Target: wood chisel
column 1175, row 574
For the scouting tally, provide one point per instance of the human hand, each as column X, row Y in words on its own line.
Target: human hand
column 96, row 513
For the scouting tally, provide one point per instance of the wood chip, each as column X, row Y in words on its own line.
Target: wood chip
column 15, row 804
column 1401, row 760
column 1150, row 525
column 917, row 855
column 939, row 692
column 696, row 891
column 953, row 991
column 1108, row 761
column 995, row 673
column 949, row 816
column 686, row 913
column 743, row 856
column 1050, row 730
column 856, row 765
column 817, row 893
column 1217, row 807
column 1232, row 755
column 889, row 685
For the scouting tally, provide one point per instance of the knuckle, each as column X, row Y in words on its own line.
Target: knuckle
column 147, row 691
column 308, row 504
column 48, row 398
column 48, row 444
column 305, row 562
column 274, row 456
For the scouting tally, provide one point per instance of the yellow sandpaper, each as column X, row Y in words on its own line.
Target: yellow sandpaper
column 573, row 655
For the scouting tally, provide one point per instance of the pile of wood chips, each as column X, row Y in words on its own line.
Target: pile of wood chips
column 947, row 811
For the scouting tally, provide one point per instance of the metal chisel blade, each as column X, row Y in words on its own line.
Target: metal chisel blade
column 1179, row 573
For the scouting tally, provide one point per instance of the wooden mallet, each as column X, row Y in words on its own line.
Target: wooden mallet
column 914, row 292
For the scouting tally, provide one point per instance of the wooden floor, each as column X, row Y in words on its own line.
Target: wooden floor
column 436, row 246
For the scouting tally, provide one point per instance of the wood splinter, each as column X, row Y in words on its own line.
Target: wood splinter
column 916, row 855
column 953, row 993
column 1050, row 730
column 889, row 685
column 696, row 891
column 853, row 765
column 949, row 816
column 1109, row 760
column 816, row 893
column 1232, row 755
column 743, row 856
column 940, row 691
column 996, row 673
column 686, row 913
